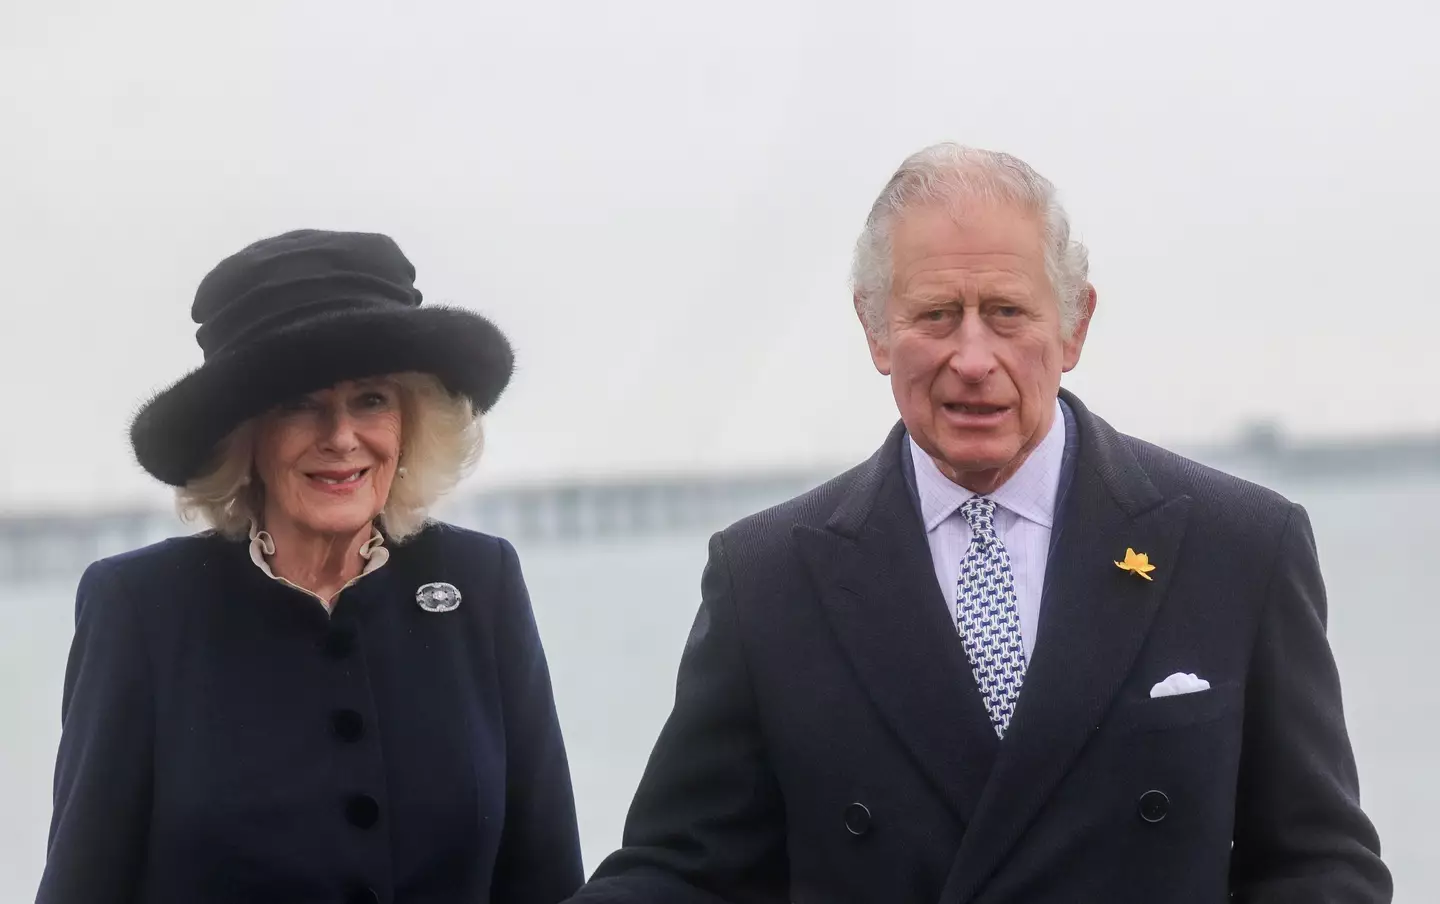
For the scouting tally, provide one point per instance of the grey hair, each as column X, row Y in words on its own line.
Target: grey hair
column 948, row 174
column 440, row 441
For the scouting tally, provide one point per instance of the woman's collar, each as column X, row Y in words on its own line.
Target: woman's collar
column 262, row 546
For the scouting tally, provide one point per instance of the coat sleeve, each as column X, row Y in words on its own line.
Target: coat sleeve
column 103, row 770
column 1300, row 834
column 539, row 857
column 707, row 822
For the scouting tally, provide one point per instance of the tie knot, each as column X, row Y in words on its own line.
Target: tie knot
column 979, row 512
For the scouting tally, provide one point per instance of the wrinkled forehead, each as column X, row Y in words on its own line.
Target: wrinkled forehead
column 962, row 283
column 968, row 227
column 991, row 243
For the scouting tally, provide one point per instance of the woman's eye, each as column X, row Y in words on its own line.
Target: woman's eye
column 292, row 406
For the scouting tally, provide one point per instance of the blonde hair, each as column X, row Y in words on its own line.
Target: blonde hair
column 440, row 441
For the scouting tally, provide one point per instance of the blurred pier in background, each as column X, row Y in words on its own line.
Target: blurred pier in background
column 40, row 546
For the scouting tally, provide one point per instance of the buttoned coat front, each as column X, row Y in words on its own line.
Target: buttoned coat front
column 227, row 739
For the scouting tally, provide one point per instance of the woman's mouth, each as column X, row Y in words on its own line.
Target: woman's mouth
column 338, row 481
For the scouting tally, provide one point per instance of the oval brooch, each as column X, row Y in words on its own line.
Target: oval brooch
column 438, row 597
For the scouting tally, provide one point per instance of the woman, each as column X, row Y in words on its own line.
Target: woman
column 326, row 697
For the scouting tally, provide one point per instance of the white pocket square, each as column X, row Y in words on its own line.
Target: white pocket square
column 1180, row 683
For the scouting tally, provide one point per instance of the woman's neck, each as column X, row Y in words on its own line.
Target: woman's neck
column 321, row 563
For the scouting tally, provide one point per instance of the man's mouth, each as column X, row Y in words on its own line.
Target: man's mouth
column 975, row 409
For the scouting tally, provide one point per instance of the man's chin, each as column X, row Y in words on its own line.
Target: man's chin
column 975, row 460
column 978, row 470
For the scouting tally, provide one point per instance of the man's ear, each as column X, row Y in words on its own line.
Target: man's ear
column 879, row 348
column 1076, row 342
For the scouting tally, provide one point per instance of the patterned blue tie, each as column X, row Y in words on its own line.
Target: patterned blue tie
column 988, row 620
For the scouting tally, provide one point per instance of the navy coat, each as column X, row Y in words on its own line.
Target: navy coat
column 828, row 742
column 225, row 739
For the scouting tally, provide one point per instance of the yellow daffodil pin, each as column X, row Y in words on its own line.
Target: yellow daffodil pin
column 1138, row 563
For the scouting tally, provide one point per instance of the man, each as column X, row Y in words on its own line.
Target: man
column 1015, row 656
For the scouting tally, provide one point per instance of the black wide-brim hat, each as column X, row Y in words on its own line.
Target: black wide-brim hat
column 300, row 312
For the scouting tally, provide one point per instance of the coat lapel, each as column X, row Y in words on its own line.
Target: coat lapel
column 1093, row 623
column 877, row 587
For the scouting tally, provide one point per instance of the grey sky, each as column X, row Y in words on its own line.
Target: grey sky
column 657, row 202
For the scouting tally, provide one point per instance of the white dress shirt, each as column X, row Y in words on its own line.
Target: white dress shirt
column 1024, row 516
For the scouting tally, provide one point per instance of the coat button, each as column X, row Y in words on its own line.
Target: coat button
column 857, row 819
column 1154, row 805
column 363, row 896
column 362, row 811
column 340, row 642
column 348, row 724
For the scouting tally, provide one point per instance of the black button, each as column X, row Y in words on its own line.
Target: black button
column 363, row 896
column 348, row 724
column 340, row 642
column 1154, row 805
column 362, row 811
column 857, row 819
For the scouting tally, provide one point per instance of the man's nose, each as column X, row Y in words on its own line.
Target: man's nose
column 973, row 357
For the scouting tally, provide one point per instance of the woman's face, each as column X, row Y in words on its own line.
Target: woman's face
column 327, row 459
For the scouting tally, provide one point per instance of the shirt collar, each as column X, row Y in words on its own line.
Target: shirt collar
column 262, row 545
column 1030, row 492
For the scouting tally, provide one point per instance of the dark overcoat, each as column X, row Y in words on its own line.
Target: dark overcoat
column 828, row 743
column 226, row 739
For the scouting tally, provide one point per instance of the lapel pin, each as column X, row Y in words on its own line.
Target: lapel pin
column 437, row 597
column 1137, row 563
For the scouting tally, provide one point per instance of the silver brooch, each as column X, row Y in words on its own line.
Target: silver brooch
column 439, row 597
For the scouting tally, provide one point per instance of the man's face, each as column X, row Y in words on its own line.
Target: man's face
column 974, row 345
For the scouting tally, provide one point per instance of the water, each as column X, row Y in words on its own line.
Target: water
column 614, row 616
